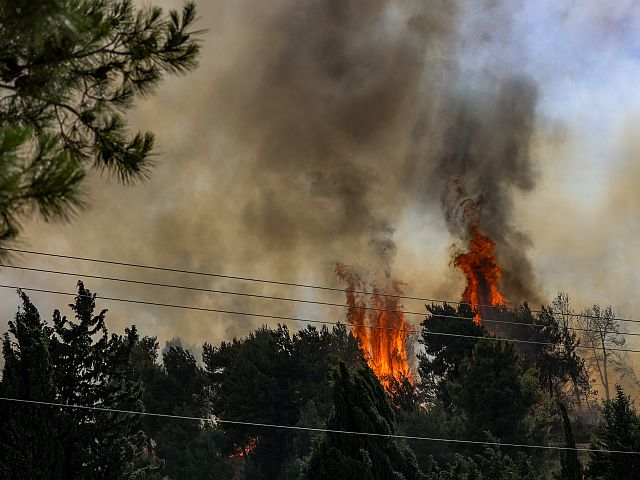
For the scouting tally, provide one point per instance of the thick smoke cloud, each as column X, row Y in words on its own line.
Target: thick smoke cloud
column 310, row 129
column 327, row 119
column 483, row 157
column 472, row 148
column 350, row 82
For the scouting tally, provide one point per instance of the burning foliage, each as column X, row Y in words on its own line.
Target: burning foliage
column 484, row 159
column 379, row 325
column 245, row 450
column 482, row 271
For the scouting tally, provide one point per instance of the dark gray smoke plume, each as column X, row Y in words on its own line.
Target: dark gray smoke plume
column 307, row 134
column 482, row 157
column 325, row 118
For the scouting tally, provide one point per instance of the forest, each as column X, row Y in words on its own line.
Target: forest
column 282, row 404
column 517, row 393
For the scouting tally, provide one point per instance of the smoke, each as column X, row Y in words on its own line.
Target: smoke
column 309, row 131
column 484, row 157
column 327, row 120
column 330, row 122
column 471, row 150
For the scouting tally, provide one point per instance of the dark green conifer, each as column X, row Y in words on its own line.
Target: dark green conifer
column 495, row 392
column 73, row 362
column 29, row 434
column 619, row 430
column 361, row 405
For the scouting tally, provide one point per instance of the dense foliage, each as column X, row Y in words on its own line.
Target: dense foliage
column 80, row 403
column 360, row 405
column 618, row 430
column 472, row 386
column 73, row 362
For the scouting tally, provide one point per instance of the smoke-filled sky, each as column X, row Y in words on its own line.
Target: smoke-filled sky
column 356, row 131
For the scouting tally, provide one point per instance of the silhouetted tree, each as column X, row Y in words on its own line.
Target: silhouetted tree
column 491, row 464
column 271, row 377
column 561, row 369
column 360, row 405
column 28, row 444
column 570, row 466
column 190, row 450
column 619, row 430
column 494, row 391
column 444, row 352
column 72, row 362
column 602, row 335
column 552, row 347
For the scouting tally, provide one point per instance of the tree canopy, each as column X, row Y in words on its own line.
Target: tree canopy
column 73, row 362
column 474, row 387
column 619, row 430
column 360, row 405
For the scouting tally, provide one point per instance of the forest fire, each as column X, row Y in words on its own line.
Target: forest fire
column 379, row 325
column 245, row 450
column 482, row 271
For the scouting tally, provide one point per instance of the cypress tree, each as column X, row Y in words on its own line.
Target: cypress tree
column 72, row 362
column 494, row 391
column 29, row 446
column 360, row 405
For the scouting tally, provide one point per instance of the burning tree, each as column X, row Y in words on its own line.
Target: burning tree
column 379, row 325
column 482, row 272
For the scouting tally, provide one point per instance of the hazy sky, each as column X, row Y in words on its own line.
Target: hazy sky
column 287, row 150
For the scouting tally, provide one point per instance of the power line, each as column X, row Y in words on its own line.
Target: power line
column 311, row 429
column 290, row 284
column 305, row 320
column 294, row 300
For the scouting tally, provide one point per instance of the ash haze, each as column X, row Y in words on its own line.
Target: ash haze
column 331, row 130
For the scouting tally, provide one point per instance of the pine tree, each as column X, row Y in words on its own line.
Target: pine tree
column 561, row 371
column 443, row 354
column 44, row 179
column 360, row 405
column 69, row 69
column 252, row 382
column 273, row 377
column 190, row 450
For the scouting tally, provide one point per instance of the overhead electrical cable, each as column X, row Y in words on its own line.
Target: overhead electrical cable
column 304, row 320
column 294, row 300
column 310, row 429
column 289, row 284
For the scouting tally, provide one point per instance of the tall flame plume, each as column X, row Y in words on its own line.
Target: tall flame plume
column 482, row 271
column 379, row 325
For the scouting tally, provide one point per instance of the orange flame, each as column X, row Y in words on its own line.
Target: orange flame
column 244, row 451
column 379, row 326
column 482, row 271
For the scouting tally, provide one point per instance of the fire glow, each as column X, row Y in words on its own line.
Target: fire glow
column 482, row 271
column 245, row 450
column 379, row 326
